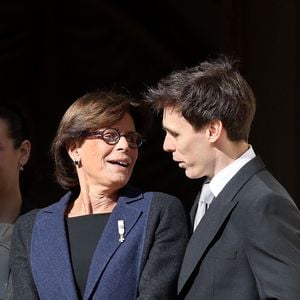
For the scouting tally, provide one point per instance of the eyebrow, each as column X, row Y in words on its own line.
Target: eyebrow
column 172, row 132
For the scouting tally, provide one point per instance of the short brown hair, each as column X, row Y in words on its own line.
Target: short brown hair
column 88, row 113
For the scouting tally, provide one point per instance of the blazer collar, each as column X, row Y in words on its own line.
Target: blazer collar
column 51, row 224
column 209, row 226
column 109, row 242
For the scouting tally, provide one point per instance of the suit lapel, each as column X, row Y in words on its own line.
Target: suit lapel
column 194, row 208
column 214, row 218
column 109, row 242
column 51, row 238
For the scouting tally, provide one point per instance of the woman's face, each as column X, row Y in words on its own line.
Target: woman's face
column 108, row 166
column 9, row 159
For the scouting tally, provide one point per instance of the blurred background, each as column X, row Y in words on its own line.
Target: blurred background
column 52, row 52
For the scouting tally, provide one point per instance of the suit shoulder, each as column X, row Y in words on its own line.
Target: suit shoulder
column 27, row 220
column 263, row 188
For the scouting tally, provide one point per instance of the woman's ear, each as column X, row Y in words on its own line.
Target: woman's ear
column 72, row 149
column 215, row 128
column 25, row 150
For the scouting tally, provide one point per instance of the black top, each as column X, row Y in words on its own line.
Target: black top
column 84, row 233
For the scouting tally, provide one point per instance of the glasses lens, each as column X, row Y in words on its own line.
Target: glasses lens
column 134, row 139
column 111, row 136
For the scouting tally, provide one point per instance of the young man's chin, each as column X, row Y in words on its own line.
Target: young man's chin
column 189, row 174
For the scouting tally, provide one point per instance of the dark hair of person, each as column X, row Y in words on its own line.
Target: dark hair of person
column 90, row 112
column 213, row 90
column 16, row 125
column 18, row 131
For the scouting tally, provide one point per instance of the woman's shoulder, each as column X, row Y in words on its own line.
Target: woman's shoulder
column 165, row 197
column 159, row 199
column 165, row 210
column 165, row 200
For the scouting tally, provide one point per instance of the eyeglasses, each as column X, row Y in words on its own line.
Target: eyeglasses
column 112, row 136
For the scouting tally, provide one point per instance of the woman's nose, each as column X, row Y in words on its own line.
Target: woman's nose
column 123, row 143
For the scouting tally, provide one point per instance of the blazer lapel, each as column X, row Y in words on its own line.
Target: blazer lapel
column 109, row 242
column 214, row 218
column 51, row 246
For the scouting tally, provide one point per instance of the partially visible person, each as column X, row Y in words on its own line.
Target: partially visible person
column 14, row 154
column 246, row 231
column 104, row 239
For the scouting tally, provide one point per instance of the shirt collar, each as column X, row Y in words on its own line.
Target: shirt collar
column 219, row 181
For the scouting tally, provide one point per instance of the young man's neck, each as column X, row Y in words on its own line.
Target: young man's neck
column 229, row 153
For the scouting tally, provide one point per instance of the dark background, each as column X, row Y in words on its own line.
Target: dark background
column 52, row 52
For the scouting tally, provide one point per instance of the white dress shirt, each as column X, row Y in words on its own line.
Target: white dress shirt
column 218, row 182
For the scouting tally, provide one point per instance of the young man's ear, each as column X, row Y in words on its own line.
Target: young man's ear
column 214, row 128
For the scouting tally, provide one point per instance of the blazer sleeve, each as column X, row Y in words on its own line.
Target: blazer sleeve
column 166, row 239
column 22, row 281
column 272, row 236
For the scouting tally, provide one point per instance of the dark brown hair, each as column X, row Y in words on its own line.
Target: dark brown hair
column 213, row 90
column 16, row 124
column 88, row 113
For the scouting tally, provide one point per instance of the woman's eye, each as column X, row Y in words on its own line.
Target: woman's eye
column 110, row 136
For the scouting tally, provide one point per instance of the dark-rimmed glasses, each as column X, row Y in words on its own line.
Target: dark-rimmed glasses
column 111, row 136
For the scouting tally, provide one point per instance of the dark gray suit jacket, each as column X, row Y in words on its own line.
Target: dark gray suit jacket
column 144, row 266
column 247, row 246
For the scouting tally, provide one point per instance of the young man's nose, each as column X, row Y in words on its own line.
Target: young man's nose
column 168, row 145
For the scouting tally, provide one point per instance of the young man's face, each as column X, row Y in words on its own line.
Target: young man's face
column 191, row 149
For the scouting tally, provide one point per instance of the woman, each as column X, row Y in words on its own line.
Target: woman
column 103, row 239
column 14, row 154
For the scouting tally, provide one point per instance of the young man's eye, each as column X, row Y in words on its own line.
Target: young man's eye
column 173, row 134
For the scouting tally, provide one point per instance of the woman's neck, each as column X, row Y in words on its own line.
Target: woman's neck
column 93, row 202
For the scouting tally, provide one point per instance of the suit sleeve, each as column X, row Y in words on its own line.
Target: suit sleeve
column 167, row 234
column 272, row 245
column 22, row 281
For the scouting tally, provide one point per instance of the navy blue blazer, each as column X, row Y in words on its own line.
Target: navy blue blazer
column 144, row 266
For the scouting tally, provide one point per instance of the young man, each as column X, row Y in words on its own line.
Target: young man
column 247, row 244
